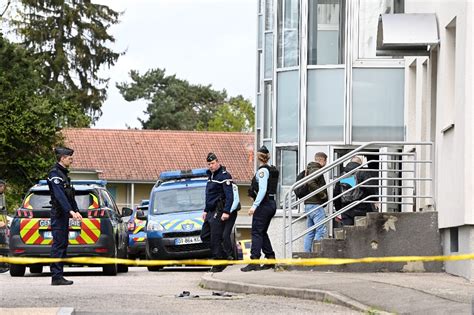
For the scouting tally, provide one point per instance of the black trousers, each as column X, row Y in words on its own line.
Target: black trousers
column 59, row 250
column 260, row 223
column 217, row 234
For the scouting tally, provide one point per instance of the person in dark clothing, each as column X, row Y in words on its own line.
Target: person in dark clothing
column 217, row 214
column 358, row 177
column 263, row 190
column 63, row 206
column 312, row 205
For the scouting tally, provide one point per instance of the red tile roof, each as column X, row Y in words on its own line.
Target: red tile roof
column 141, row 155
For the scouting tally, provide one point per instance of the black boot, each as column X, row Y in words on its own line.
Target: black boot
column 61, row 281
column 218, row 268
column 268, row 266
column 251, row 267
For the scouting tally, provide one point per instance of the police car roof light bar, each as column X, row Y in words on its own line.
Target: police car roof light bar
column 183, row 174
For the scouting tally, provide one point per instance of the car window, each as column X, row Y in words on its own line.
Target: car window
column 41, row 200
column 179, row 200
column 109, row 201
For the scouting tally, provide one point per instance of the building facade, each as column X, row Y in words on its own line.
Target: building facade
column 323, row 86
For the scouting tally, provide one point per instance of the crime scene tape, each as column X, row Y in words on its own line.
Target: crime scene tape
column 211, row 262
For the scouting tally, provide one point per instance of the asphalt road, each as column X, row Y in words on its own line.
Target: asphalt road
column 142, row 292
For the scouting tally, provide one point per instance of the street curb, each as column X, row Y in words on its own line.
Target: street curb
column 209, row 282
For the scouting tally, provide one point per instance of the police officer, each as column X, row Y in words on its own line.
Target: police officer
column 63, row 206
column 219, row 199
column 263, row 191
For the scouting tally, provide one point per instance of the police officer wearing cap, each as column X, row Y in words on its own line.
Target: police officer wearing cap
column 263, row 191
column 219, row 199
column 63, row 206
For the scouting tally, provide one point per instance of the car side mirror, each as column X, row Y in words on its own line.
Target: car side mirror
column 126, row 212
column 141, row 215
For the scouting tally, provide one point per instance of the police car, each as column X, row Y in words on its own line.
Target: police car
column 137, row 231
column 102, row 232
column 177, row 202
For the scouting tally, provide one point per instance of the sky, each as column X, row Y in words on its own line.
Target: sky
column 202, row 41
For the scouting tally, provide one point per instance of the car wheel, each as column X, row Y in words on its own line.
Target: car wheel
column 111, row 269
column 155, row 268
column 36, row 269
column 17, row 270
column 122, row 268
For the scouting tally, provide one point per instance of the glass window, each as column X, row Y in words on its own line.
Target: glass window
column 267, row 110
column 369, row 12
column 378, row 104
column 268, row 72
column 288, row 165
column 288, row 33
column 258, row 112
column 260, row 31
column 179, row 200
column 325, row 119
column 326, row 32
column 287, row 106
column 259, row 70
column 268, row 15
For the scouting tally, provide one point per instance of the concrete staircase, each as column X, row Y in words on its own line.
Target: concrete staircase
column 382, row 235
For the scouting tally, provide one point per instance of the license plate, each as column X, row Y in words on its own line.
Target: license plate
column 49, row 235
column 188, row 240
column 47, row 222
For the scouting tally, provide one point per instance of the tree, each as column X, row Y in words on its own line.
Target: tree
column 28, row 120
column 69, row 37
column 235, row 115
column 176, row 104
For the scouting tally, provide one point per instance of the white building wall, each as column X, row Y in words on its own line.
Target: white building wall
column 454, row 106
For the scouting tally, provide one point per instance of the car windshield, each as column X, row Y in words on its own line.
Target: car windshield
column 179, row 200
column 41, row 200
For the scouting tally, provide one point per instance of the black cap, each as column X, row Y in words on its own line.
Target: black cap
column 211, row 157
column 63, row 151
column 263, row 149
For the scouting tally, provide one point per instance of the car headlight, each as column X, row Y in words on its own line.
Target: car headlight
column 154, row 226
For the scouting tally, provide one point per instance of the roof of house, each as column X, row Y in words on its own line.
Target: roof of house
column 141, row 155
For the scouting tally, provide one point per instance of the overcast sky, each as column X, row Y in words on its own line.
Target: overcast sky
column 202, row 41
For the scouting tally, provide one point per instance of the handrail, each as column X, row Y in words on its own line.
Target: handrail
column 289, row 204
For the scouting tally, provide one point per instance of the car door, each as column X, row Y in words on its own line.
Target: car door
column 119, row 224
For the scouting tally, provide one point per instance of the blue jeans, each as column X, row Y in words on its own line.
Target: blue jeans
column 314, row 218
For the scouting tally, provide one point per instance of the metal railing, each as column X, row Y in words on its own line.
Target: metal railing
column 410, row 164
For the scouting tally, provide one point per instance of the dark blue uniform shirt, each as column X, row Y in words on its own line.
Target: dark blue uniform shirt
column 219, row 188
column 62, row 194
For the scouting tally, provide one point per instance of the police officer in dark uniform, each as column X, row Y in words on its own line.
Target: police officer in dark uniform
column 63, row 206
column 219, row 199
column 263, row 191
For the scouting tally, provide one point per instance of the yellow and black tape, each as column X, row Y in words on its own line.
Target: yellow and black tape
column 210, row 262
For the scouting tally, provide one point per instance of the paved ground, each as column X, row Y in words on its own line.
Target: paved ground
column 141, row 292
column 426, row 293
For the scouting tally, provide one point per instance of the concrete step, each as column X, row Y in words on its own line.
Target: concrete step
column 360, row 221
column 304, row 255
column 339, row 234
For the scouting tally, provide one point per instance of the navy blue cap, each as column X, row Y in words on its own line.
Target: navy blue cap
column 60, row 151
column 263, row 149
column 2, row 182
column 211, row 157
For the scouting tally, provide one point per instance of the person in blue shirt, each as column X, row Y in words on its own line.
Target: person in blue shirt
column 217, row 214
column 263, row 191
column 63, row 206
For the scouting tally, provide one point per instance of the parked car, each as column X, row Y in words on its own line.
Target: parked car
column 137, row 231
column 245, row 246
column 101, row 233
column 174, row 225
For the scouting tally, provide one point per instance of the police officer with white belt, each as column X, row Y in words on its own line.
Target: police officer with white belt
column 263, row 191
column 63, row 206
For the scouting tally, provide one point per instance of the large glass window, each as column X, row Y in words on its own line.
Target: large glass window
column 267, row 110
column 378, row 104
column 288, row 161
column 268, row 56
column 287, row 106
column 369, row 12
column 258, row 111
column 268, row 15
column 325, row 119
column 288, row 33
column 269, row 146
column 326, row 32
column 260, row 31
